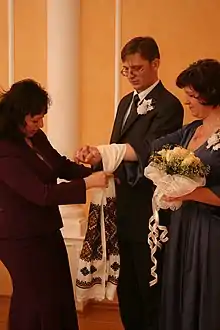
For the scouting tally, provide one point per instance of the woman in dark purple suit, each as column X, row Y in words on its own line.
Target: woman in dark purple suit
column 31, row 245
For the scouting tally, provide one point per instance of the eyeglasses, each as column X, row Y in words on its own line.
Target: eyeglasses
column 136, row 70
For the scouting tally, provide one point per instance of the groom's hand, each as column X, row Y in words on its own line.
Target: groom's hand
column 88, row 155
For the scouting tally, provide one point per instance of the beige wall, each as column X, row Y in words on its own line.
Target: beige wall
column 97, row 70
column 184, row 30
column 30, row 40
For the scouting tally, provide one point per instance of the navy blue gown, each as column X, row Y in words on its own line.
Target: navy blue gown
column 191, row 276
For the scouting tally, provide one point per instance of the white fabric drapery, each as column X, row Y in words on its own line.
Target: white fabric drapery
column 99, row 262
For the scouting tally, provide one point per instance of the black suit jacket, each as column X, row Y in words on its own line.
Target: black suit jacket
column 134, row 193
column 29, row 193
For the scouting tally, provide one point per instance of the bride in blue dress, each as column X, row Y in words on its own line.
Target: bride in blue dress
column 191, row 275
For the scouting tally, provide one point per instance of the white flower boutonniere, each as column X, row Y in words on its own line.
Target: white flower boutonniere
column 145, row 106
column 214, row 141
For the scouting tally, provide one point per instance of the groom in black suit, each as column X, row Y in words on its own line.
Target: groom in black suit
column 160, row 114
column 148, row 112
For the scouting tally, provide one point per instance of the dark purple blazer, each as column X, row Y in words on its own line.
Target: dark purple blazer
column 29, row 193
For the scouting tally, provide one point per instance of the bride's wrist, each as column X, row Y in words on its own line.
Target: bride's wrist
column 193, row 196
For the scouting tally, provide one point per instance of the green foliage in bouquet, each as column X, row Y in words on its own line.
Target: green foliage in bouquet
column 179, row 161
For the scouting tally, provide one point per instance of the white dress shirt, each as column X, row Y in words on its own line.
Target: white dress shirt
column 142, row 95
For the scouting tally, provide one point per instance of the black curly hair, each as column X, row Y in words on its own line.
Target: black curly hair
column 25, row 97
column 203, row 77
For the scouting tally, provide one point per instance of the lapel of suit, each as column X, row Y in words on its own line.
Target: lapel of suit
column 116, row 133
column 132, row 116
column 152, row 95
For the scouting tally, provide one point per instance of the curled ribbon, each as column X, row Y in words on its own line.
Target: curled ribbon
column 155, row 238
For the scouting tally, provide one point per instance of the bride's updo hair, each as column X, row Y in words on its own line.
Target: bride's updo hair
column 203, row 77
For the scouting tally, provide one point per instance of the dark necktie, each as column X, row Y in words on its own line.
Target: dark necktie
column 133, row 112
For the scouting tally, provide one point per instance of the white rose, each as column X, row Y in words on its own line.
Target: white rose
column 162, row 153
column 169, row 155
column 191, row 159
column 145, row 107
column 180, row 152
column 216, row 147
column 213, row 141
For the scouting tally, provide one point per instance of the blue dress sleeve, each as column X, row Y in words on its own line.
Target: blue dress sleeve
column 144, row 150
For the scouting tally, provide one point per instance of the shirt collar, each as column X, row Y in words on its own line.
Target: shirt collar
column 144, row 93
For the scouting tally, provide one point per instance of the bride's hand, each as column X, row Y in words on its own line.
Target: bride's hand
column 88, row 155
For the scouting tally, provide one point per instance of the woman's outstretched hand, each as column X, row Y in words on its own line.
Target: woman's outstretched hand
column 88, row 155
column 98, row 180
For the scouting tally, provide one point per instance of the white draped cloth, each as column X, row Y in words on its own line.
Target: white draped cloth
column 99, row 262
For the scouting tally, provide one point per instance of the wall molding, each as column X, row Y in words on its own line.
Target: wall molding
column 10, row 42
column 117, row 53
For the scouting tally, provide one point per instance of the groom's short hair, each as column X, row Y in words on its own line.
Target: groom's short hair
column 145, row 46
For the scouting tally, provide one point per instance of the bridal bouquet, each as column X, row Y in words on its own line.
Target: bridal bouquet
column 175, row 172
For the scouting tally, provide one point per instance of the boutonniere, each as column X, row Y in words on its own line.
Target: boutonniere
column 145, row 106
column 214, row 141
